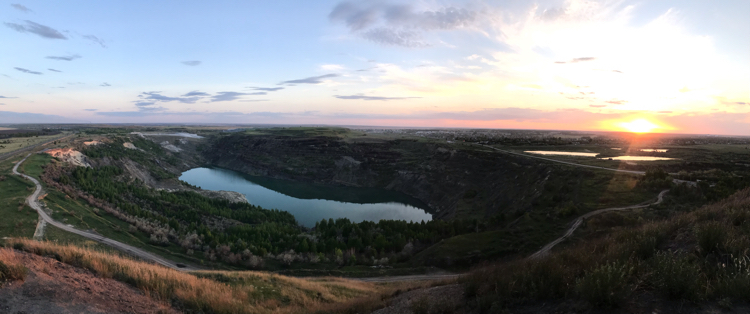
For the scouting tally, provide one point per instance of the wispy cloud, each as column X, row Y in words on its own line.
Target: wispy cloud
column 90, row 109
column 310, row 80
column 5, row 97
column 597, row 106
column 64, row 58
column 196, row 93
column 105, row 84
column 582, row 59
column 53, row 70
column 157, row 96
column 363, row 97
column 229, row 96
column 191, row 63
column 38, row 29
column 266, row 89
column 28, row 71
column 21, row 7
column 96, row 40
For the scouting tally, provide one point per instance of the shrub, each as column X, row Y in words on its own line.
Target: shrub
column 675, row 275
column 606, row 285
column 734, row 279
column 420, row 305
column 711, row 237
column 10, row 272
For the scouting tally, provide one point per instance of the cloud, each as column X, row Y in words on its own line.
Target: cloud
column 4, row 97
column 362, row 97
column 21, row 7
column 252, row 100
column 741, row 103
column 617, row 71
column 310, row 80
column 582, row 59
column 38, row 29
column 267, row 89
column 229, row 96
column 397, row 24
column 1, row 104
column 96, row 40
column 597, row 106
column 191, row 63
column 576, row 60
column 53, row 70
column 105, row 84
column 90, row 109
column 616, row 101
column 64, row 58
column 393, row 37
column 156, row 97
column 196, row 93
column 28, row 71
column 665, row 111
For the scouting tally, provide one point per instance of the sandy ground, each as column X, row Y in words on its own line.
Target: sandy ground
column 69, row 155
column 129, row 145
column 54, row 287
column 89, row 143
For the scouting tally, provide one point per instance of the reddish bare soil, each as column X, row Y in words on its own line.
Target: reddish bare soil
column 54, row 287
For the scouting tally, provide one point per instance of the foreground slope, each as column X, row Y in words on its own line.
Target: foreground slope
column 696, row 261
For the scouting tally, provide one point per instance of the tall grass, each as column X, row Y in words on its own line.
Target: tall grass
column 10, row 268
column 209, row 292
column 699, row 255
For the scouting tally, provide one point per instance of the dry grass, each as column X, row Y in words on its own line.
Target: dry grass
column 220, row 291
column 10, row 268
column 699, row 256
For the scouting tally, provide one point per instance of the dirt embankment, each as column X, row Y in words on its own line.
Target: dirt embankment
column 450, row 181
column 69, row 155
column 54, row 287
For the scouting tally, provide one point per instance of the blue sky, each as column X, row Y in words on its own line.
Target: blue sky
column 684, row 66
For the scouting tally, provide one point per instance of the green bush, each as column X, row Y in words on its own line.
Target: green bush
column 675, row 275
column 607, row 285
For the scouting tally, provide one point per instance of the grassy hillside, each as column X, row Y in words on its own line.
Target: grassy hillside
column 214, row 291
column 700, row 256
column 19, row 220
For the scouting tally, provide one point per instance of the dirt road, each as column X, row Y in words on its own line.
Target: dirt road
column 545, row 250
column 408, row 278
column 34, row 203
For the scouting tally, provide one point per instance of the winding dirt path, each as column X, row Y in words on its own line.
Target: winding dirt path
column 33, row 201
column 545, row 250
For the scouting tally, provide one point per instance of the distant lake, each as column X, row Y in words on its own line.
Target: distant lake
column 310, row 203
column 638, row 158
column 551, row 152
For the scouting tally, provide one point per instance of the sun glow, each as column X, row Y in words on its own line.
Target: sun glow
column 639, row 126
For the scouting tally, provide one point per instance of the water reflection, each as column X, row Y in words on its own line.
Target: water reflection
column 550, row 152
column 638, row 158
column 310, row 203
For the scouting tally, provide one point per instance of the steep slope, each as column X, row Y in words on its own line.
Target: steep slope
column 448, row 179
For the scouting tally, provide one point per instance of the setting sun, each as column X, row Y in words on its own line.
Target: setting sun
column 639, row 126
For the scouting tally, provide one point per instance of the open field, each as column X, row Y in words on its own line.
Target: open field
column 11, row 144
column 18, row 219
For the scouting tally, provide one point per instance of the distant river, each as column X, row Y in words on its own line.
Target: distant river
column 310, row 203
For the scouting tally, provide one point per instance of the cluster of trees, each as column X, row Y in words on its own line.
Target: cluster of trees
column 143, row 155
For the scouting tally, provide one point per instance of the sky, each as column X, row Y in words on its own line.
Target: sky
column 673, row 66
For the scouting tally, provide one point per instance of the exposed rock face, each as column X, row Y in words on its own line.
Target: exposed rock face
column 451, row 181
column 69, row 155
column 234, row 197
